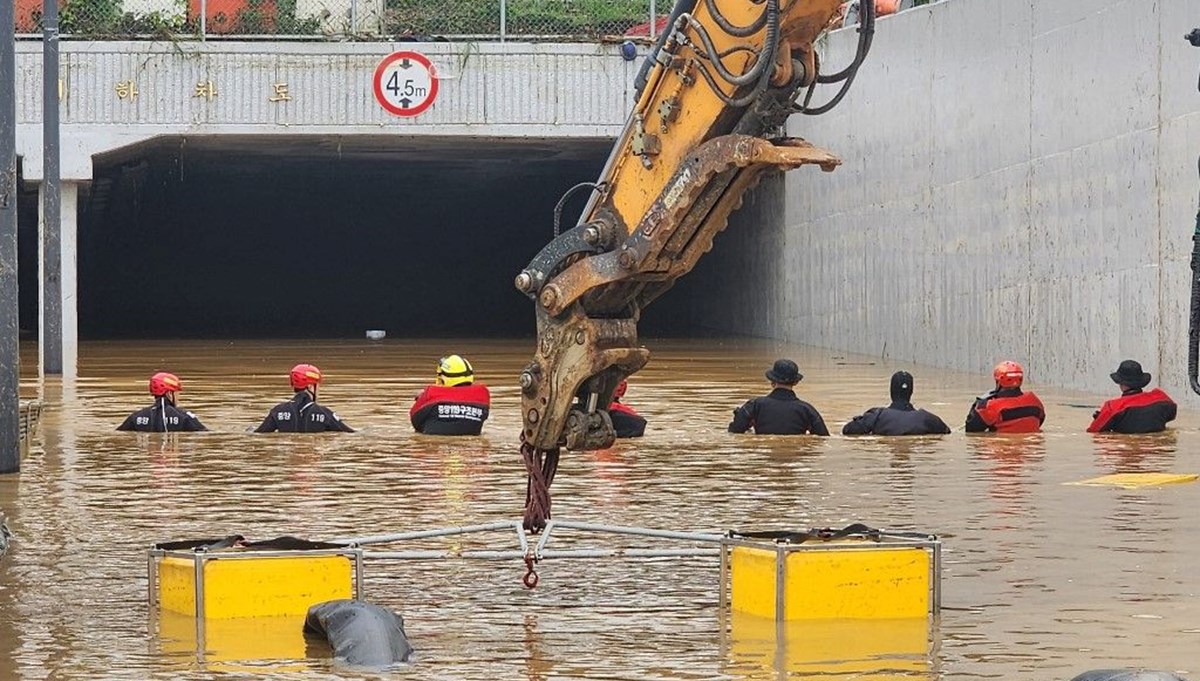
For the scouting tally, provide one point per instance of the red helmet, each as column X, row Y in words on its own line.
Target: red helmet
column 1008, row 375
column 163, row 383
column 619, row 392
column 304, row 375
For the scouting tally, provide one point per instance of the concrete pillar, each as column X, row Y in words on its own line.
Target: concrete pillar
column 58, row 318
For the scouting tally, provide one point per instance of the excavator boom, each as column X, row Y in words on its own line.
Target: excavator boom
column 712, row 100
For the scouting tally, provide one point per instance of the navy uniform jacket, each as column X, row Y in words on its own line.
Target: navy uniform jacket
column 900, row 418
column 626, row 421
column 301, row 414
column 162, row 417
column 778, row 413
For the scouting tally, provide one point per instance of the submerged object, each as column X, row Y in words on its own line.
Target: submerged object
column 5, row 535
column 1127, row 675
column 376, row 334
column 1136, row 480
column 361, row 634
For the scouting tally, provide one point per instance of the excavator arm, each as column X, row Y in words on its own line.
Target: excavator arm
column 712, row 100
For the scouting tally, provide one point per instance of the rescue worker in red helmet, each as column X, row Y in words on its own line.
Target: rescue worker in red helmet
column 302, row 414
column 455, row 404
column 1007, row 409
column 1134, row 411
column 626, row 422
column 163, row 416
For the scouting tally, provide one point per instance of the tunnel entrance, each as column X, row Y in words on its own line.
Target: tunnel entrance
column 296, row 237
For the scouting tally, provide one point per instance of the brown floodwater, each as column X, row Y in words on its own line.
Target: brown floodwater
column 1042, row 580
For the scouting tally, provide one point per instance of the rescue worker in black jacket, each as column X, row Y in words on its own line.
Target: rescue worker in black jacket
column 302, row 414
column 163, row 416
column 1134, row 411
column 900, row 418
column 780, row 412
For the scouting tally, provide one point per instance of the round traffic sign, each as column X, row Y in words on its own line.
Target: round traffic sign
column 405, row 83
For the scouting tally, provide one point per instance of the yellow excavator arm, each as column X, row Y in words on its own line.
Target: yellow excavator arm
column 713, row 97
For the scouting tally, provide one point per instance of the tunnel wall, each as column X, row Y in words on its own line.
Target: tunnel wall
column 1019, row 182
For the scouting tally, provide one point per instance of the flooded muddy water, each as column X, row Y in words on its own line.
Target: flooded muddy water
column 1041, row 580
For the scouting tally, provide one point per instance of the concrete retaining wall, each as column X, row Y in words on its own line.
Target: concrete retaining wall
column 1019, row 182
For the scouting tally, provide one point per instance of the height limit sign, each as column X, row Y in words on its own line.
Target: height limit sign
column 405, row 83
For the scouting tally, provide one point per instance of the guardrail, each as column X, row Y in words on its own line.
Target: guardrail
column 349, row 19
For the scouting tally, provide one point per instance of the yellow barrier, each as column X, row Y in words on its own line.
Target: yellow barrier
column 222, row 643
column 238, row 604
column 252, row 584
column 865, row 650
column 848, row 578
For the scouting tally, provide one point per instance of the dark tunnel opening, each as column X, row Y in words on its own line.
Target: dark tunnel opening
column 321, row 238
column 329, row 237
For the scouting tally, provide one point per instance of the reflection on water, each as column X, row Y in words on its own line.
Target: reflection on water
column 1041, row 579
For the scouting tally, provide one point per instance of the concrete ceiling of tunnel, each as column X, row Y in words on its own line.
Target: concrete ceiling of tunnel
column 468, row 152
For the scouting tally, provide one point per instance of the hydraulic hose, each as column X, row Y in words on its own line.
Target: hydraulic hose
column 681, row 7
column 736, row 31
column 866, row 32
column 766, row 56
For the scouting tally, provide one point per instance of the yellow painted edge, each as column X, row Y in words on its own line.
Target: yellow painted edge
column 1136, row 480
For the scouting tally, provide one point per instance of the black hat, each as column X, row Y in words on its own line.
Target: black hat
column 1130, row 373
column 784, row 371
column 902, row 385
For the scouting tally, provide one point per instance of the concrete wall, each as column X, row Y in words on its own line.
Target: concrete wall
column 486, row 90
column 1019, row 182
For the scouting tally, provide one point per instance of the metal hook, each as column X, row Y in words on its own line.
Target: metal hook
column 531, row 576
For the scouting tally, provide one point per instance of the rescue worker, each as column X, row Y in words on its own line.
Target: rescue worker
column 899, row 418
column 163, row 416
column 1134, row 411
column 302, row 414
column 780, row 412
column 626, row 422
column 455, row 404
column 1006, row 409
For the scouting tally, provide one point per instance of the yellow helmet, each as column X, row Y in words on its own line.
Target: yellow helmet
column 454, row 370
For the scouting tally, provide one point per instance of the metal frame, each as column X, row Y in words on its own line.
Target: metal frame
column 538, row 551
column 932, row 544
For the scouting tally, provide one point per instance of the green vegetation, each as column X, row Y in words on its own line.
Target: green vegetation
column 584, row 19
column 581, row 18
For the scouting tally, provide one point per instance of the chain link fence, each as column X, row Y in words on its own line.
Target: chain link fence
column 348, row 19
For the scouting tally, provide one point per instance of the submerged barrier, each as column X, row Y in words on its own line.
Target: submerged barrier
column 782, row 594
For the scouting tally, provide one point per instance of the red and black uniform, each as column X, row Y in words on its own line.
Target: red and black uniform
column 451, row 410
column 626, row 422
column 1006, row 410
column 1135, row 412
column 302, row 414
column 901, row 418
column 162, row 417
column 778, row 413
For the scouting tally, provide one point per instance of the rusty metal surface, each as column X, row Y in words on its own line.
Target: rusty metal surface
column 572, row 349
column 691, row 187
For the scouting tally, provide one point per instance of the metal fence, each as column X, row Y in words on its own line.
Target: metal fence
column 348, row 19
